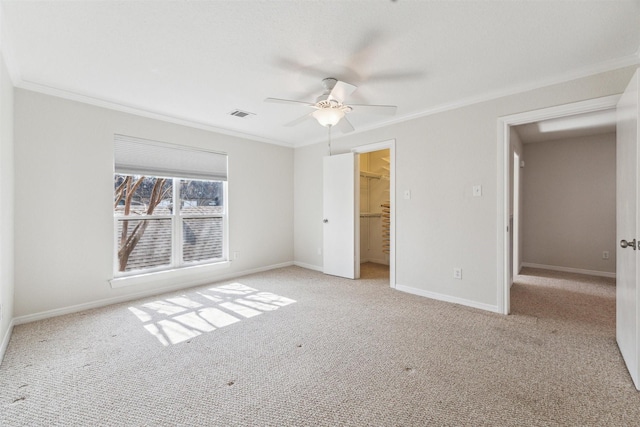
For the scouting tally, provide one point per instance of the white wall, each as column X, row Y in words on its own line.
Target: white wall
column 307, row 214
column 570, row 203
column 64, row 208
column 440, row 157
column 6, row 204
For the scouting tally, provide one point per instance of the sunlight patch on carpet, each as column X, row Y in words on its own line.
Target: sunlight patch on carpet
column 178, row 319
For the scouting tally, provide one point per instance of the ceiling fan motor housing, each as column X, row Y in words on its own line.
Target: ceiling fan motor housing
column 328, row 84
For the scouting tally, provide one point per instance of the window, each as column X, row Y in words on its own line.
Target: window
column 169, row 206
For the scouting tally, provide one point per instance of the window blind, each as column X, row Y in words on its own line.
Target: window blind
column 137, row 156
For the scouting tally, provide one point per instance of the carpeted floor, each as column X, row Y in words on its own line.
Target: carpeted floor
column 292, row 347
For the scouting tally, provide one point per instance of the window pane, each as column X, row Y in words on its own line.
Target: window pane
column 201, row 197
column 143, row 244
column 149, row 195
column 202, row 239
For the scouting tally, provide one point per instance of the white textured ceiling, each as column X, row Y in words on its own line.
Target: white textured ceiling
column 199, row 60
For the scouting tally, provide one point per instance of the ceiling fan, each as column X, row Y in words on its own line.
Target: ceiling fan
column 330, row 109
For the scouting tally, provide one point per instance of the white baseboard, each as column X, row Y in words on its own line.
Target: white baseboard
column 570, row 270
column 307, row 266
column 447, row 298
column 108, row 301
column 5, row 340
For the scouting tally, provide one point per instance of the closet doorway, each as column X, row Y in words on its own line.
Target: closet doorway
column 376, row 213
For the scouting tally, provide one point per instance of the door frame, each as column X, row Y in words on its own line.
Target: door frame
column 517, row 215
column 383, row 145
column 504, row 180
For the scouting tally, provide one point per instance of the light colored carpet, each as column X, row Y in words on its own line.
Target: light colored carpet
column 292, row 347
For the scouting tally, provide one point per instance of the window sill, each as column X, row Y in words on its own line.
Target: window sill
column 165, row 277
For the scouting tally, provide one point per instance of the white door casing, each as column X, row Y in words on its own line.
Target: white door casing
column 502, row 191
column 377, row 146
column 627, row 301
column 515, row 225
column 340, row 257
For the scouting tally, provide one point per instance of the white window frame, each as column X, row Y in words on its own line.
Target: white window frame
column 177, row 262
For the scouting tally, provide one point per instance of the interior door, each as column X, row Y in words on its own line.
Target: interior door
column 339, row 207
column 627, row 302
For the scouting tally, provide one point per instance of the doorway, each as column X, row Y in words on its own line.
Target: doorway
column 375, row 213
column 375, row 208
column 341, row 212
column 568, row 194
column 506, row 261
column 627, row 108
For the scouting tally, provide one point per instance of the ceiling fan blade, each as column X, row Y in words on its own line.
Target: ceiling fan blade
column 345, row 125
column 309, row 71
column 392, row 76
column 386, row 110
column 288, row 101
column 298, row 120
column 342, row 90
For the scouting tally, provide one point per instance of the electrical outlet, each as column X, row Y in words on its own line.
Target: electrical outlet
column 457, row 273
column 236, row 255
column 605, row 255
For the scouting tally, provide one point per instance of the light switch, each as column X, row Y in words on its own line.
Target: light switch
column 477, row 190
column 407, row 194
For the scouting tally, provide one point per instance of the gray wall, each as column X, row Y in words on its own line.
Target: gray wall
column 570, row 203
column 440, row 157
column 64, row 256
column 64, row 209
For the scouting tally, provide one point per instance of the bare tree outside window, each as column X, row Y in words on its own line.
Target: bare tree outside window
column 137, row 195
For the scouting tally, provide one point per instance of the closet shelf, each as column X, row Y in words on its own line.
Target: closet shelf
column 386, row 227
column 370, row 214
column 370, row 175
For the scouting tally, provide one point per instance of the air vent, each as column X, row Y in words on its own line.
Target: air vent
column 241, row 114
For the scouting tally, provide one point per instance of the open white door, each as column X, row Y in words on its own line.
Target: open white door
column 339, row 207
column 627, row 295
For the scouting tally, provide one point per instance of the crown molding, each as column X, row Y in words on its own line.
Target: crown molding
column 618, row 63
column 112, row 105
column 630, row 60
column 603, row 67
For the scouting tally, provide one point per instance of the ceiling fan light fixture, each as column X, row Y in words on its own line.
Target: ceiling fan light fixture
column 328, row 116
column 330, row 107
